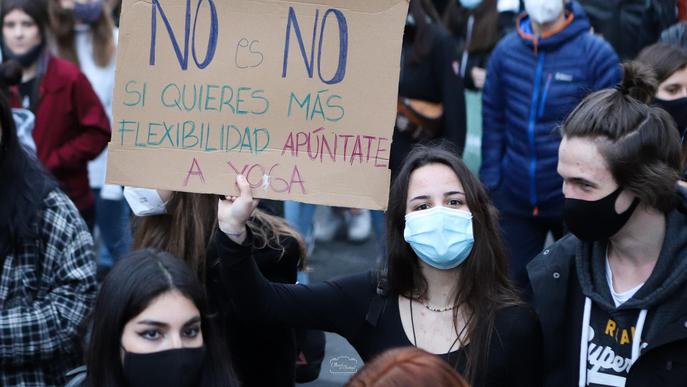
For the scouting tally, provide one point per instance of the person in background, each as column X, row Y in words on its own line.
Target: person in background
column 630, row 25
column 670, row 65
column 676, row 35
column 48, row 278
column 612, row 295
column 151, row 326
column 71, row 125
column 535, row 77
column 184, row 224
column 475, row 24
column 446, row 290
column 85, row 35
column 405, row 367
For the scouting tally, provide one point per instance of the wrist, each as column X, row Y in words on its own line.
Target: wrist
column 233, row 230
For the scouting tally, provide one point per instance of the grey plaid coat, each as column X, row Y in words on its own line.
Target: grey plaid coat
column 47, row 287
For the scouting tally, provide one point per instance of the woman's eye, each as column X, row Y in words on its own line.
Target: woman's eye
column 192, row 332
column 455, row 203
column 150, row 335
column 422, row 207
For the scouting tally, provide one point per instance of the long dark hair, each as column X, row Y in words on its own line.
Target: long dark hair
column 24, row 184
column 639, row 142
column 422, row 35
column 484, row 286
column 38, row 11
column 134, row 282
column 189, row 225
column 485, row 32
column 62, row 22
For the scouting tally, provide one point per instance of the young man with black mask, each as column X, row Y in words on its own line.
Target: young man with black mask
column 611, row 297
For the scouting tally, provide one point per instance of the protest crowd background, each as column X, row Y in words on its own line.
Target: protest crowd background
column 536, row 230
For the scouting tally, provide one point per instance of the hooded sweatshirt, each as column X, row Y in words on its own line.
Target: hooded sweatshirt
column 605, row 343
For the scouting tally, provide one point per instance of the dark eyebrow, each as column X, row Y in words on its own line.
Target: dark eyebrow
column 192, row 321
column 153, row 323
column 454, row 193
column 422, row 197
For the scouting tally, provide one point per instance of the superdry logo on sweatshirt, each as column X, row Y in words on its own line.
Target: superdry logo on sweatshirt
column 609, row 355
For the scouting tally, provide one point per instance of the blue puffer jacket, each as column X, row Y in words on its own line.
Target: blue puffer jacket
column 533, row 82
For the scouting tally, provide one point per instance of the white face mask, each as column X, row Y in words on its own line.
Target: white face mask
column 144, row 201
column 544, row 11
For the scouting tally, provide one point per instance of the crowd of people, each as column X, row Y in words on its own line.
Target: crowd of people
column 561, row 262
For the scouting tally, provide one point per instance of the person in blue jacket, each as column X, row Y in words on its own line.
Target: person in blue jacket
column 535, row 77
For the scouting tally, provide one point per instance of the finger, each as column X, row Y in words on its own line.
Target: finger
column 244, row 187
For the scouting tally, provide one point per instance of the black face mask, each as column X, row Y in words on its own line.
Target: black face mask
column 596, row 220
column 176, row 367
column 26, row 59
column 678, row 109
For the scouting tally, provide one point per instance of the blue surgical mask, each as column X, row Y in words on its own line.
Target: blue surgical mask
column 88, row 13
column 470, row 4
column 442, row 237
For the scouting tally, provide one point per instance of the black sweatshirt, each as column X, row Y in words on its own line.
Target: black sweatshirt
column 262, row 355
column 341, row 306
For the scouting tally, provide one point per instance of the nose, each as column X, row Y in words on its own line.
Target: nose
column 176, row 342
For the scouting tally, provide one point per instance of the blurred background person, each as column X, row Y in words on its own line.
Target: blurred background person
column 535, row 77
column 85, row 35
column 630, row 25
column 669, row 63
column 151, row 326
column 406, row 367
column 184, row 225
column 48, row 280
column 675, row 35
column 71, row 125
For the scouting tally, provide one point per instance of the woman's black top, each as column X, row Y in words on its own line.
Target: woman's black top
column 434, row 79
column 342, row 306
column 263, row 354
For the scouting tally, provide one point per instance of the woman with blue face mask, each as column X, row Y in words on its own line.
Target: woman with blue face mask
column 446, row 290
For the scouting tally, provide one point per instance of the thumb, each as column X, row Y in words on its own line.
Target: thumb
column 244, row 187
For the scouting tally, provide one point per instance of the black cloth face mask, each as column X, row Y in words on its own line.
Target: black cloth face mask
column 26, row 59
column 678, row 109
column 176, row 367
column 596, row 220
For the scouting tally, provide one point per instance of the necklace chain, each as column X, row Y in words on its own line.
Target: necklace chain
column 412, row 324
column 433, row 308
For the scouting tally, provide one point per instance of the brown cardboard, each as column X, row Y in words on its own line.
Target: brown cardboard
column 239, row 120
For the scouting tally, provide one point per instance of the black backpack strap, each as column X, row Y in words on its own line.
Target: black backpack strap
column 379, row 301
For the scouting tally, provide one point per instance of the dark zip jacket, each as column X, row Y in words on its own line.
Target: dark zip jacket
column 568, row 273
column 533, row 83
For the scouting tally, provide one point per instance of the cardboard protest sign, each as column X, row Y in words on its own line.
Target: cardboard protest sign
column 298, row 96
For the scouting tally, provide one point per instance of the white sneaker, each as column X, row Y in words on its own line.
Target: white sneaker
column 359, row 225
column 325, row 224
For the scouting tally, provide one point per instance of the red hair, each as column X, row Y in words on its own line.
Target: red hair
column 408, row 366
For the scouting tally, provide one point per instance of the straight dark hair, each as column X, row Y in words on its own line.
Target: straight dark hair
column 38, row 11
column 134, row 282
column 422, row 38
column 665, row 59
column 484, row 286
column 23, row 181
column 485, row 32
column 639, row 142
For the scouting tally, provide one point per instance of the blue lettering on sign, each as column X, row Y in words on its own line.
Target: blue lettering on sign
column 182, row 56
column 292, row 21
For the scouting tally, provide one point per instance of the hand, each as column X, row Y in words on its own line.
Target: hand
column 479, row 75
column 234, row 211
